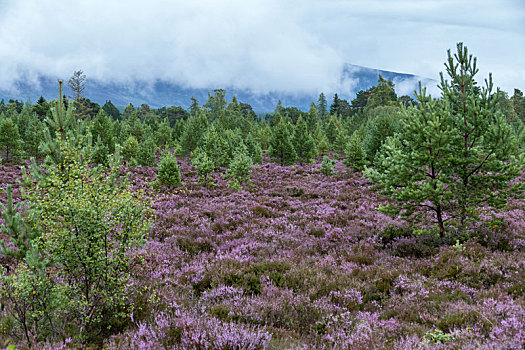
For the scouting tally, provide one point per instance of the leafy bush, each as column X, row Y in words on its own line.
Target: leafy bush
column 74, row 280
column 130, row 148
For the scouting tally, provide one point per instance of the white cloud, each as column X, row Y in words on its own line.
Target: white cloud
column 262, row 45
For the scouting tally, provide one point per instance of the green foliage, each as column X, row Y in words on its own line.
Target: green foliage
column 88, row 223
column 383, row 94
column 333, row 129
column 203, row 164
column 100, row 153
column 111, row 110
column 102, row 127
column 146, row 152
column 33, row 134
column 383, row 123
column 438, row 337
column 194, row 128
column 163, row 134
column 64, row 127
column 130, row 148
column 327, row 166
column 217, row 147
column 34, row 301
column 304, row 144
column 452, row 155
column 281, row 147
column 9, row 138
column 15, row 228
column 240, row 168
column 355, row 155
column 169, row 172
column 322, row 105
column 254, row 149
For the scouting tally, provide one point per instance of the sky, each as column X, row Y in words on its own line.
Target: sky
column 286, row 46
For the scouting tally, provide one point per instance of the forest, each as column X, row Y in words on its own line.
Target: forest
column 384, row 222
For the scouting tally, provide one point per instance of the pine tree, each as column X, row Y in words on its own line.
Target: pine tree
column 332, row 129
column 327, row 166
column 9, row 139
column 312, row 119
column 102, row 127
column 203, row 164
column 146, row 151
column 281, row 146
column 240, row 169
column 111, row 110
column 194, row 128
column 451, row 156
column 355, row 155
column 33, row 136
column 130, row 148
column 322, row 105
column 168, row 173
column 384, row 122
column 15, row 228
column 254, row 149
column 304, row 144
column 163, row 135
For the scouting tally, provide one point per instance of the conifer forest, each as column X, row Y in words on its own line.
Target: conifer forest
column 384, row 222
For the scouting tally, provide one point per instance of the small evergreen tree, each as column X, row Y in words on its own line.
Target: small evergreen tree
column 281, row 146
column 384, row 122
column 130, row 148
column 304, row 144
column 355, row 155
column 240, row 169
column 9, row 139
column 451, row 156
column 15, row 228
column 322, row 105
column 203, row 164
column 169, row 171
column 163, row 135
column 146, row 152
column 327, row 166
column 254, row 149
column 194, row 128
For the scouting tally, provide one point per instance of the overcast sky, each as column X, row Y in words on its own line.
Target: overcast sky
column 262, row 45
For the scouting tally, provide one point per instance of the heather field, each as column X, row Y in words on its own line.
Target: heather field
column 301, row 260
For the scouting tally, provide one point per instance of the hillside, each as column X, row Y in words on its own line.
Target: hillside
column 163, row 93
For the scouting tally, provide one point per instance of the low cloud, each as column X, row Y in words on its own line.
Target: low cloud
column 260, row 45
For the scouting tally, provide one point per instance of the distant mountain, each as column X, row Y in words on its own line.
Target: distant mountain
column 163, row 93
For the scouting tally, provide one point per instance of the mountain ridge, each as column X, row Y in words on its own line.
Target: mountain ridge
column 163, row 93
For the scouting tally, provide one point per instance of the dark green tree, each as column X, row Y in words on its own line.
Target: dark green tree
column 194, row 129
column 9, row 139
column 102, row 127
column 452, row 156
column 518, row 103
column 355, row 155
column 281, row 144
column 168, row 173
column 111, row 110
column 322, row 105
column 304, row 143
column 383, row 123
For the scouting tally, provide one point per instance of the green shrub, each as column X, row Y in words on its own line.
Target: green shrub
column 327, row 166
column 75, row 277
column 239, row 171
column 169, row 172
column 203, row 164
